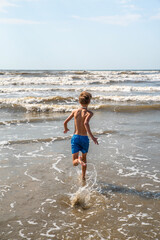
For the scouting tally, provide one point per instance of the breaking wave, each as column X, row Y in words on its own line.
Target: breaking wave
column 113, row 98
column 67, row 104
column 94, row 89
column 129, row 108
column 69, row 108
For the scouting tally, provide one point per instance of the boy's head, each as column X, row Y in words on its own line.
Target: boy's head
column 85, row 98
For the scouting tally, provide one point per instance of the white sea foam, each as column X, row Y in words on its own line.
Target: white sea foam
column 32, row 222
column 138, row 98
column 21, row 234
column 4, row 189
column 33, row 178
column 54, row 166
column 102, row 77
column 20, row 222
column 12, row 204
column 114, row 88
column 48, row 201
column 50, row 232
column 2, row 143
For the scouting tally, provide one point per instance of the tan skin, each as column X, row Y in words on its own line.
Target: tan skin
column 82, row 117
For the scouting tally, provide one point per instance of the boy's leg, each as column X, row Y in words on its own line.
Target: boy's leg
column 77, row 160
column 84, row 167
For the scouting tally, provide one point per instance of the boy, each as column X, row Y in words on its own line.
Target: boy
column 80, row 140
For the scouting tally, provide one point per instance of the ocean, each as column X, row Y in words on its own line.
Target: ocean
column 41, row 194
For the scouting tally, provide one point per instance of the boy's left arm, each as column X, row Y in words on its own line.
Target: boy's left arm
column 66, row 121
column 86, row 124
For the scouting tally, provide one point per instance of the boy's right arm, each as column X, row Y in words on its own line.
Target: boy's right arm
column 66, row 121
column 86, row 124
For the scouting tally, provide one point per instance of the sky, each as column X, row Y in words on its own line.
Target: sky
column 80, row 34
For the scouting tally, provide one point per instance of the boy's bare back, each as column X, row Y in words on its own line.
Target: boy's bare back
column 80, row 117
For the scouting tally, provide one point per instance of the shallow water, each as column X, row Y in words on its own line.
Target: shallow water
column 41, row 193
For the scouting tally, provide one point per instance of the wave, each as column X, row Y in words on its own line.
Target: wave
column 79, row 89
column 137, row 98
column 66, row 82
column 52, row 139
column 26, row 141
column 81, row 72
column 73, row 79
column 129, row 108
column 68, row 104
column 45, row 108
column 19, row 80
column 129, row 73
column 141, row 72
column 39, row 107
column 28, row 73
column 99, row 99
column 125, row 89
column 32, row 120
column 44, row 72
column 32, row 90
column 32, row 100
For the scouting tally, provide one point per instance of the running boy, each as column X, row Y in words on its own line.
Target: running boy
column 80, row 140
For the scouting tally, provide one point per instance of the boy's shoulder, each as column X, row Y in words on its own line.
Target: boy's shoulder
column 90, row 112
column 86, row 112
column 75, row 111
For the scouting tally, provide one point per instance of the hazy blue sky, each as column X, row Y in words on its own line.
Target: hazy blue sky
column 79, row 34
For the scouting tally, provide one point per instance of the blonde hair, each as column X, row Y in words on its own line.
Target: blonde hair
column 85, row 97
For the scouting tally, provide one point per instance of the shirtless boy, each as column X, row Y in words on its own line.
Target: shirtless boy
column 80, row 140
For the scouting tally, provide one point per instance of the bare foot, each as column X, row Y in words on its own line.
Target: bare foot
column 83, row 182
column 80, row 161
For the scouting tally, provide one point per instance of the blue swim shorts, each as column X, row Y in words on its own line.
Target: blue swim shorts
column 79, row 143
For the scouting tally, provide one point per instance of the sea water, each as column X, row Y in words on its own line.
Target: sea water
column 41, row 193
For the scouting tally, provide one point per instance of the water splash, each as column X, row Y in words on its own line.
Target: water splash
column 81, row 198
